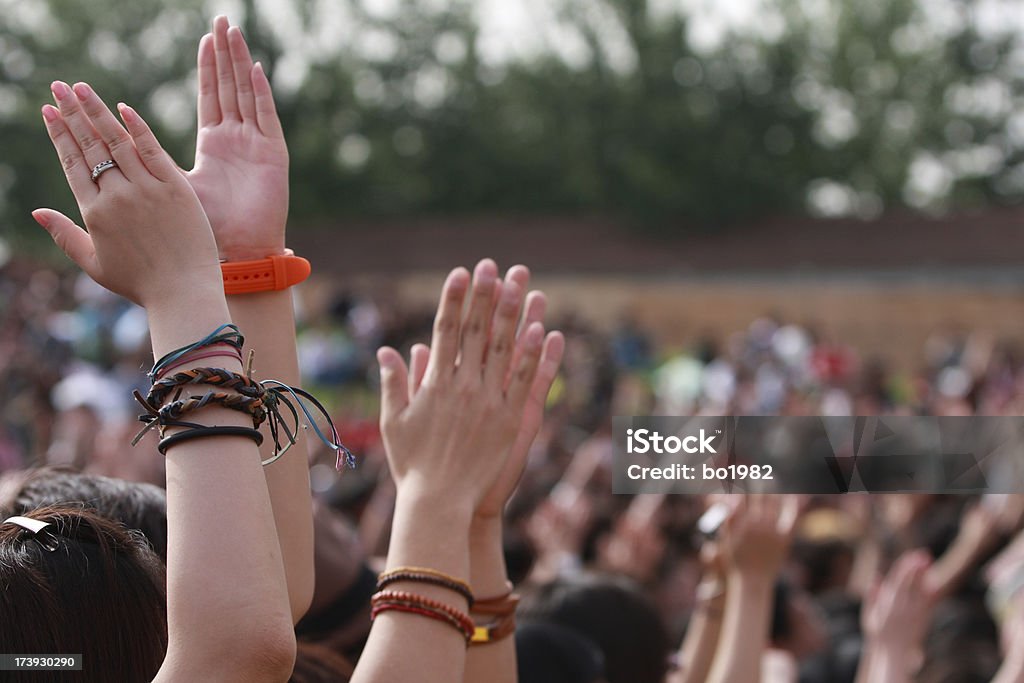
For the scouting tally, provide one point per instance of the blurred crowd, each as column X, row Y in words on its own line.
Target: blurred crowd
column 620, row 589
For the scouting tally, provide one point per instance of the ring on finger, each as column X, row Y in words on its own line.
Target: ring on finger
column 100, row 168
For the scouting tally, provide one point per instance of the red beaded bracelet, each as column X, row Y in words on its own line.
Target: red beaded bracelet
column 408, row 602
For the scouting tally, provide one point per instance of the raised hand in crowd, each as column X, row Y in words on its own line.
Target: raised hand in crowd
column 241, row 165
column 449, row 421
column 755, row 540
column 894, row 618
column 241, row 179
column 148, row 239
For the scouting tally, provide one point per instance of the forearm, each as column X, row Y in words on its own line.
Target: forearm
column 428, row 532
column 744, row 630
column 490, row 662
column 225, row 578
column 883, row 663
column 697, row 652
column 268, row 322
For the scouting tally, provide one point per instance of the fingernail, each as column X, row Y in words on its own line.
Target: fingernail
column 49, row 113
column 60, row 89
column 82, row 90
column 509, row 291
column 534, row 335
column 385, row 359
column 41, row 218
column 127, row 113
column 486, row 271
column 458, row 279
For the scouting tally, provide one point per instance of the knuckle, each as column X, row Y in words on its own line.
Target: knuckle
column 88, row 141
column 69, row 162
column 118, row 142
column 445, row 324
column 500, row 347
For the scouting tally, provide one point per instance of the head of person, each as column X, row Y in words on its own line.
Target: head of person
column 612, row 613
column 141, row 507
column 551, row 653
column 86, row 585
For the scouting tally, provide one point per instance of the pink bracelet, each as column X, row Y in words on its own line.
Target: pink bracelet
column 190, row 358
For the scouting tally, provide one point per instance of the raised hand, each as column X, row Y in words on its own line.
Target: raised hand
column 757, row 535
column 451, row 438
column 241, row 169
column 894, row 619
column 148, row 237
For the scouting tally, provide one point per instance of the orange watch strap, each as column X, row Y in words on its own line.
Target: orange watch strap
column 273, row 273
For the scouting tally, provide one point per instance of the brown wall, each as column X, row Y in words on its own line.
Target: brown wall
column 890, row 319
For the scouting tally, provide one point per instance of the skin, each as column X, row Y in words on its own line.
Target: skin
column 147, row 234
column 755, row 540
column 241, row 179
column 453, row 418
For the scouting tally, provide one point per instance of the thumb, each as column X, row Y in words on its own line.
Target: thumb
column 72, row 240
column 394, row 382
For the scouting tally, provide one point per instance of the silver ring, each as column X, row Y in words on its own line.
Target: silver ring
column 99, row 168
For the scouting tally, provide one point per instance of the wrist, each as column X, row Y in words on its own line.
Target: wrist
column 454, row 510
column 751, row 580
column 248, row 251
column 181, row 320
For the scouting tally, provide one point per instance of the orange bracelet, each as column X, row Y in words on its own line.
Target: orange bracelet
column 271, row 274
column 503, row 609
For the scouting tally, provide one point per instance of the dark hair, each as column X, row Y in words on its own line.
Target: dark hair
column 138, row 506
column 98, row 592
column 614, row 614
column 550, row 653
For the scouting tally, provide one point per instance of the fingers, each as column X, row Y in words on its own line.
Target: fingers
column 526, row 368
column 209, row 106
column 547, row 370
column 535, row 307
column 76, row 170
column 476, row 326
column 156, row 160
column 266, row 112
column 418, row 358
column 394, row 383
column 113, row 134
column 71, row 239
column 503, row 335
column 81, row 127
column 241, row 65
column 226, row 92
column 444, row 344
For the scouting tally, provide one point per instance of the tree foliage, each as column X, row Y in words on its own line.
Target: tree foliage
column 820, row 105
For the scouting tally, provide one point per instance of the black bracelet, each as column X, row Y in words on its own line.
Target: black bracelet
column 203, row 432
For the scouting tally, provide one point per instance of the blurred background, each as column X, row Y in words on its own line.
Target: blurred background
column 756, row 207
column 771, row 199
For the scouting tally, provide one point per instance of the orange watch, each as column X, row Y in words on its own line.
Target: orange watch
column 271, row 274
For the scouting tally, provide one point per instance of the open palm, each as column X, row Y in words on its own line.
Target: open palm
column 241, row 169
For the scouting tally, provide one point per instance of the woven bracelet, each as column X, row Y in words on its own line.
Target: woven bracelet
column 451, row 583
column 217, row 377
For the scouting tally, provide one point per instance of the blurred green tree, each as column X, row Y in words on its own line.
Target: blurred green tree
column 632, row 110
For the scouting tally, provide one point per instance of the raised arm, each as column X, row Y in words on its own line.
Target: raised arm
column 148, row 239
column 241, row 178
column 448, row 438
column 894, row 619
column 755, row 540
